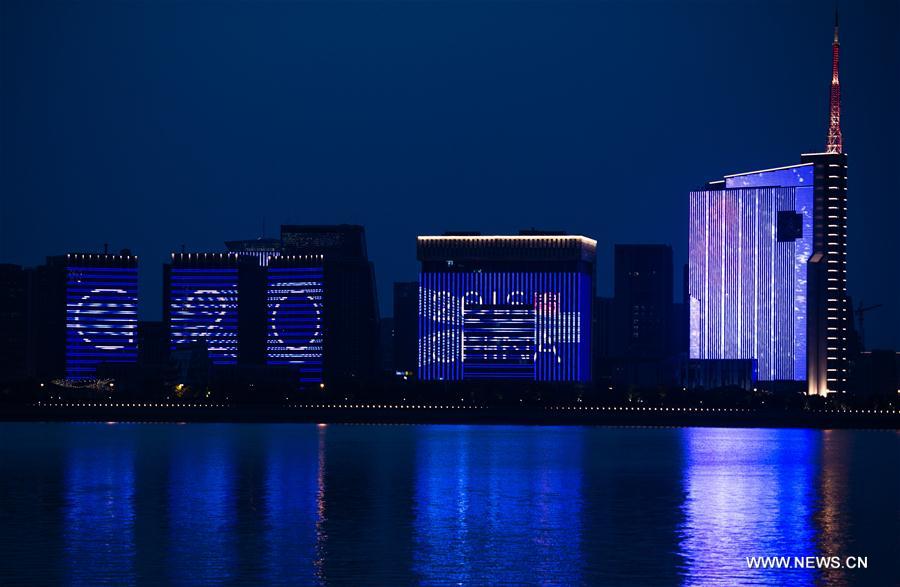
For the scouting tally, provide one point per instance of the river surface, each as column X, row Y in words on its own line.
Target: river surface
column 443, row 505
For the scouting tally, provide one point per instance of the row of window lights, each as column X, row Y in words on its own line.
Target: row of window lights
column 447, row 407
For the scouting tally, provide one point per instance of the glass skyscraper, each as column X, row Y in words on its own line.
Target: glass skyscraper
column 766, row 263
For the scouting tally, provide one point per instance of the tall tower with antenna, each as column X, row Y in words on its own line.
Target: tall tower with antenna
column 778, row 297
column 830, row 318
column 835, row 141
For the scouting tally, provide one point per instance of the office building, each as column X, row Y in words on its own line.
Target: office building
column 201, row 303
column 643, row 301
column 506, row 307
column 101, row 300
column 768, row 266
column 750, row 240
column 351, row 330
column 295, row 319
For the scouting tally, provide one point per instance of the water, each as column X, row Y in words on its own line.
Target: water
column 393, row 505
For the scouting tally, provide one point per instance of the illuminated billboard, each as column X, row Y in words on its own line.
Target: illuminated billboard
column 295, row 311
column 101, row 316
column 505, row 325
column 749, row 246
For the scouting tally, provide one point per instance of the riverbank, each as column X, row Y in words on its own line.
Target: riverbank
column 449, row 414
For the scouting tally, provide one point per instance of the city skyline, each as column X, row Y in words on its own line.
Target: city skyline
column 83, row 197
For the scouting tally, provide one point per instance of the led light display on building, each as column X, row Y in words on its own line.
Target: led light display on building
column 749, row 246
column 101, row 317
column 203, row 307
column 295, row 308
column 504, row 325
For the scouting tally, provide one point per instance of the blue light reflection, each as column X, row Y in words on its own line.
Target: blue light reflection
column 747, row 493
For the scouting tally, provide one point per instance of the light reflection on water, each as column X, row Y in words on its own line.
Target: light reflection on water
column 288, row 504
column 99, row 513
column 477, row 489
column 747, row 494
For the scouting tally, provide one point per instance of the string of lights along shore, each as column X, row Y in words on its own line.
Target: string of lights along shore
column 765, row 301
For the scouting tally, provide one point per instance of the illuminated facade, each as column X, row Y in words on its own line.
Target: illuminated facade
column 101, row 312
column 505, row 307
column 202, row 304
column 755, row 258
column 768, row 265
column 295, row 315
column 750, row 239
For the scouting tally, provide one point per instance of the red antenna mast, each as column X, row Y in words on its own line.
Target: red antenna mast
column 835, row 141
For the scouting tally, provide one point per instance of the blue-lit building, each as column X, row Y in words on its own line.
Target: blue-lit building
column 247, row 315
column 505, row 307
column 767, row 271
column 295, row 314
column 101, row 312
column 201, row 305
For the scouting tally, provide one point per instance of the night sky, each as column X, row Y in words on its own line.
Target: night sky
column 153, row 124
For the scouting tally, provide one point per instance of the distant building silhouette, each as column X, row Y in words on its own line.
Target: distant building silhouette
column 643, row 301
column 877, row 373
column 351, row 315
column 14, row 288
column 506, row 307
column 406, row 326
column 601, row 345
column 261, row 249
column 386, row 344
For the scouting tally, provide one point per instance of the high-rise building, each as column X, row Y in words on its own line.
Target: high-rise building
column 643, row 301
column 248, row 315
column 506, row 307
column 750, row 240
column 768, row 266
column 101, row 312
column 830, row 322
column 201, row 303
column 830, row 318
column 296, row 311
column 351, row 317
column 768, row 271
column 406, row 326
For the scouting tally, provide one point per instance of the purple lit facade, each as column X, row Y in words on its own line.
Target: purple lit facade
column 751, row 236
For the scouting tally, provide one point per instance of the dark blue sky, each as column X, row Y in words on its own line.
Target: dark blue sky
column 158, row 123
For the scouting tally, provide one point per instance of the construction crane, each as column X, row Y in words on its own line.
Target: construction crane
column 860, row 317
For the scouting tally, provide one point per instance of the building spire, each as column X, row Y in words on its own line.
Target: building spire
column 835, row 140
